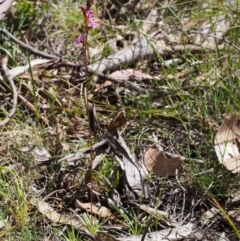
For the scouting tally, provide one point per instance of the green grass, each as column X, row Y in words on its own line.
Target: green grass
column 14, row 204
column 130, row 220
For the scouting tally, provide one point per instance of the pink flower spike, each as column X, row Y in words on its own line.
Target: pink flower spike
column 83, row 9
column 80, row 39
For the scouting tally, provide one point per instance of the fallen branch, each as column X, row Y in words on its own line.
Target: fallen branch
column 8, row 78
column 144, row 48
column 81, row 153
column 49, row 56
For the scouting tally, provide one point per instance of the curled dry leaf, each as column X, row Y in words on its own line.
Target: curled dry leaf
column 156, row 162
column 227, row 143
column 40, row 154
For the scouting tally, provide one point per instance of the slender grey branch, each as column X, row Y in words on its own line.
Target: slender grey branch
column 26, row 46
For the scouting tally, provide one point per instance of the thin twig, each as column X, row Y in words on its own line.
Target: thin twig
column 26, row 46
column 184, row 199
column 146, row 229
column 81, row 153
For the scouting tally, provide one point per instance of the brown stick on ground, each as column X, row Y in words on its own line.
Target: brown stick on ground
column 31, row 107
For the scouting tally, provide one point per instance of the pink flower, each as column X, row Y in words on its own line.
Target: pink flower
column 80, row 39
column 93, row 22
column 89, row 14
column 89, row 18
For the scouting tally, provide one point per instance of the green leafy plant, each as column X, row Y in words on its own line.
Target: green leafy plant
column 25, row 12
column 93, row 225
column 109, row 171
column 14, row 192
column 130, row 220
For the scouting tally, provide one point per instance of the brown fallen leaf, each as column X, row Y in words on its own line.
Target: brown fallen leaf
column 128, row 74
column 159, row 214
column 155, row 212
column 46, row 209
column 100, row 211
column 157, row 163
column 234, row 197
column 227, row 143
column 99, row 87
column 209, row 215
column 97, row 160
